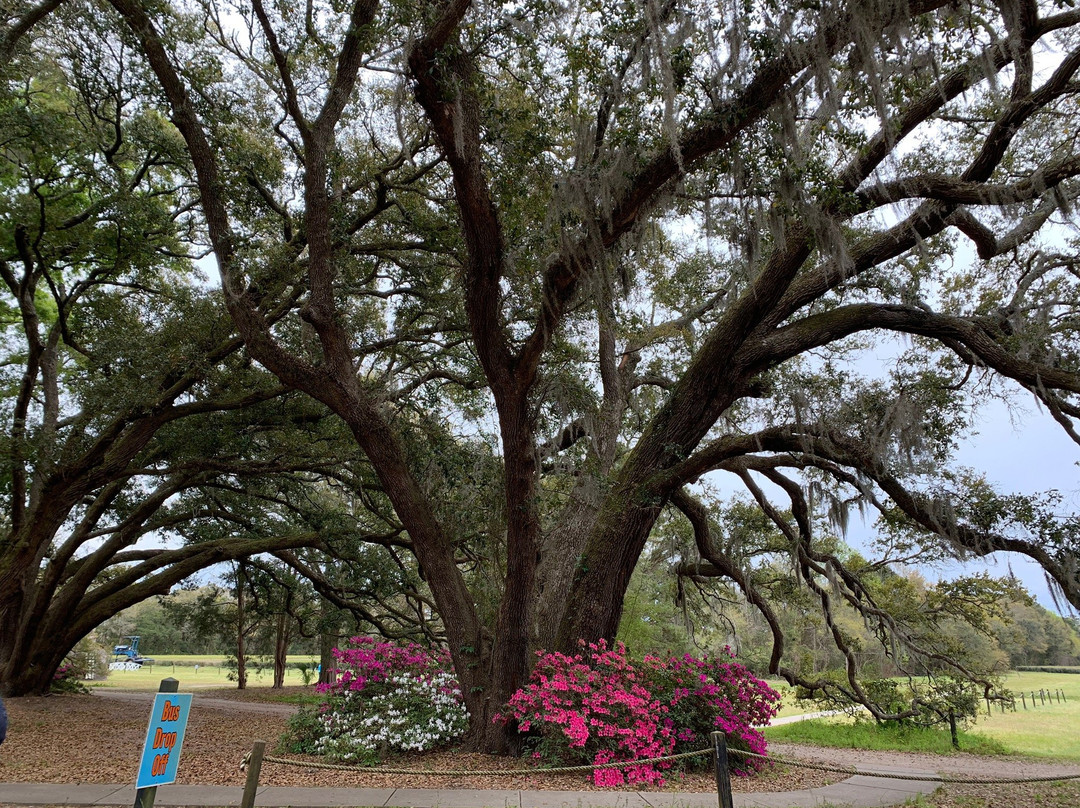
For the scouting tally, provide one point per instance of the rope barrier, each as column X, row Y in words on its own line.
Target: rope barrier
column 622, row 764
column 848, row 770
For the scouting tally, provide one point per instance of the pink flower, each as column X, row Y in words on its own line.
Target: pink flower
column 597, row 705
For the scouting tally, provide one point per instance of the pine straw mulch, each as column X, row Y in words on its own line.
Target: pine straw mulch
column 93, row 739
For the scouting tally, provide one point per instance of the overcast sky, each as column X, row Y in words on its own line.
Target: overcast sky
column 1024, row 452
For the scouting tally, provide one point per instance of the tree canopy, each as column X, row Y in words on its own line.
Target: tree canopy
column 555, row 265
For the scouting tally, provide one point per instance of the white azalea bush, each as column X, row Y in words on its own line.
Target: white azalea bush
column 413, row 715
column 386, row 698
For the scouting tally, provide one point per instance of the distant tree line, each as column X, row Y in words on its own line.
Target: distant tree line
column 271, row 620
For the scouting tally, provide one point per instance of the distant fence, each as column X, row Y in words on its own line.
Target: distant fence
column 1038, row 698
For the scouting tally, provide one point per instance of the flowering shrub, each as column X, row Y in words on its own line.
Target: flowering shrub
column 385, row 698
column 706, row 695
column 410, row 714
column 367, row 661
column 68, row 679
column 597, row 707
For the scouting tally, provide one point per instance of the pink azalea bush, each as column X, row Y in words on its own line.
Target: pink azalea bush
column 597, row 707
column 366, row 661
column 705, row 695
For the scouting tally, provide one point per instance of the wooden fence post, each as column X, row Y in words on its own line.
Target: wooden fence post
column 254, row 768
column 723, row 776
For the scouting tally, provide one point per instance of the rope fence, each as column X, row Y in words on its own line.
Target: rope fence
column 475, row 772
column 254, row 759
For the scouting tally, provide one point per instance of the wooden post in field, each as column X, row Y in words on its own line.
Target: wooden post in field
column 1023, row 698
column 952, row 730
column 254, row 768
column 723, row 776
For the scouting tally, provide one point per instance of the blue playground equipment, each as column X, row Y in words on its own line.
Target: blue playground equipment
column 130, row 652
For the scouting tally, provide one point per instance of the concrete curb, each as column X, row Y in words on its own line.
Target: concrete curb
column 860, row 791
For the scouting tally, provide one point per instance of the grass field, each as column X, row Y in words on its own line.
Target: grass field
column 209, row 673
column 865, row 735
column 1051, row 730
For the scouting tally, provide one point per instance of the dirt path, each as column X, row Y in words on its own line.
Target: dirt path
column 98, row 738
column 958, row 764
column 200, row 701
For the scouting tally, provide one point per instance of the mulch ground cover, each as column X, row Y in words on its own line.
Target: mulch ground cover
column 92, row 739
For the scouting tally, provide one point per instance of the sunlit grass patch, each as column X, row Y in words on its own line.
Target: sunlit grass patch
column 207, row 675
column 869, row 735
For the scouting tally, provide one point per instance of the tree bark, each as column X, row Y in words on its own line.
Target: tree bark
column 281, row 649
column 241, row 643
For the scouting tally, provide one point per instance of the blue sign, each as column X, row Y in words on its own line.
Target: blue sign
column 164, row 737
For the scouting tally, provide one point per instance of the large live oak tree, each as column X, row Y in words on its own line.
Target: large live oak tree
column 637, row 243
column 140, row 446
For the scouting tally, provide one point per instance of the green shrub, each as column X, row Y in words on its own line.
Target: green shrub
column 932, row 701
column 303, row 730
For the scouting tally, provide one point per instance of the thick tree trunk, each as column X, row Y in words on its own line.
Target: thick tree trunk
column 559, row 558
column 509, row 666
column 594, row 606
column 31, row 673
column 328, row 641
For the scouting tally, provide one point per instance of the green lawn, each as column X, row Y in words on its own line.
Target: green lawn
column 843, row 731
column 1051, row 730
column 788, row 706
column 210, row 673
column 217, row 659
